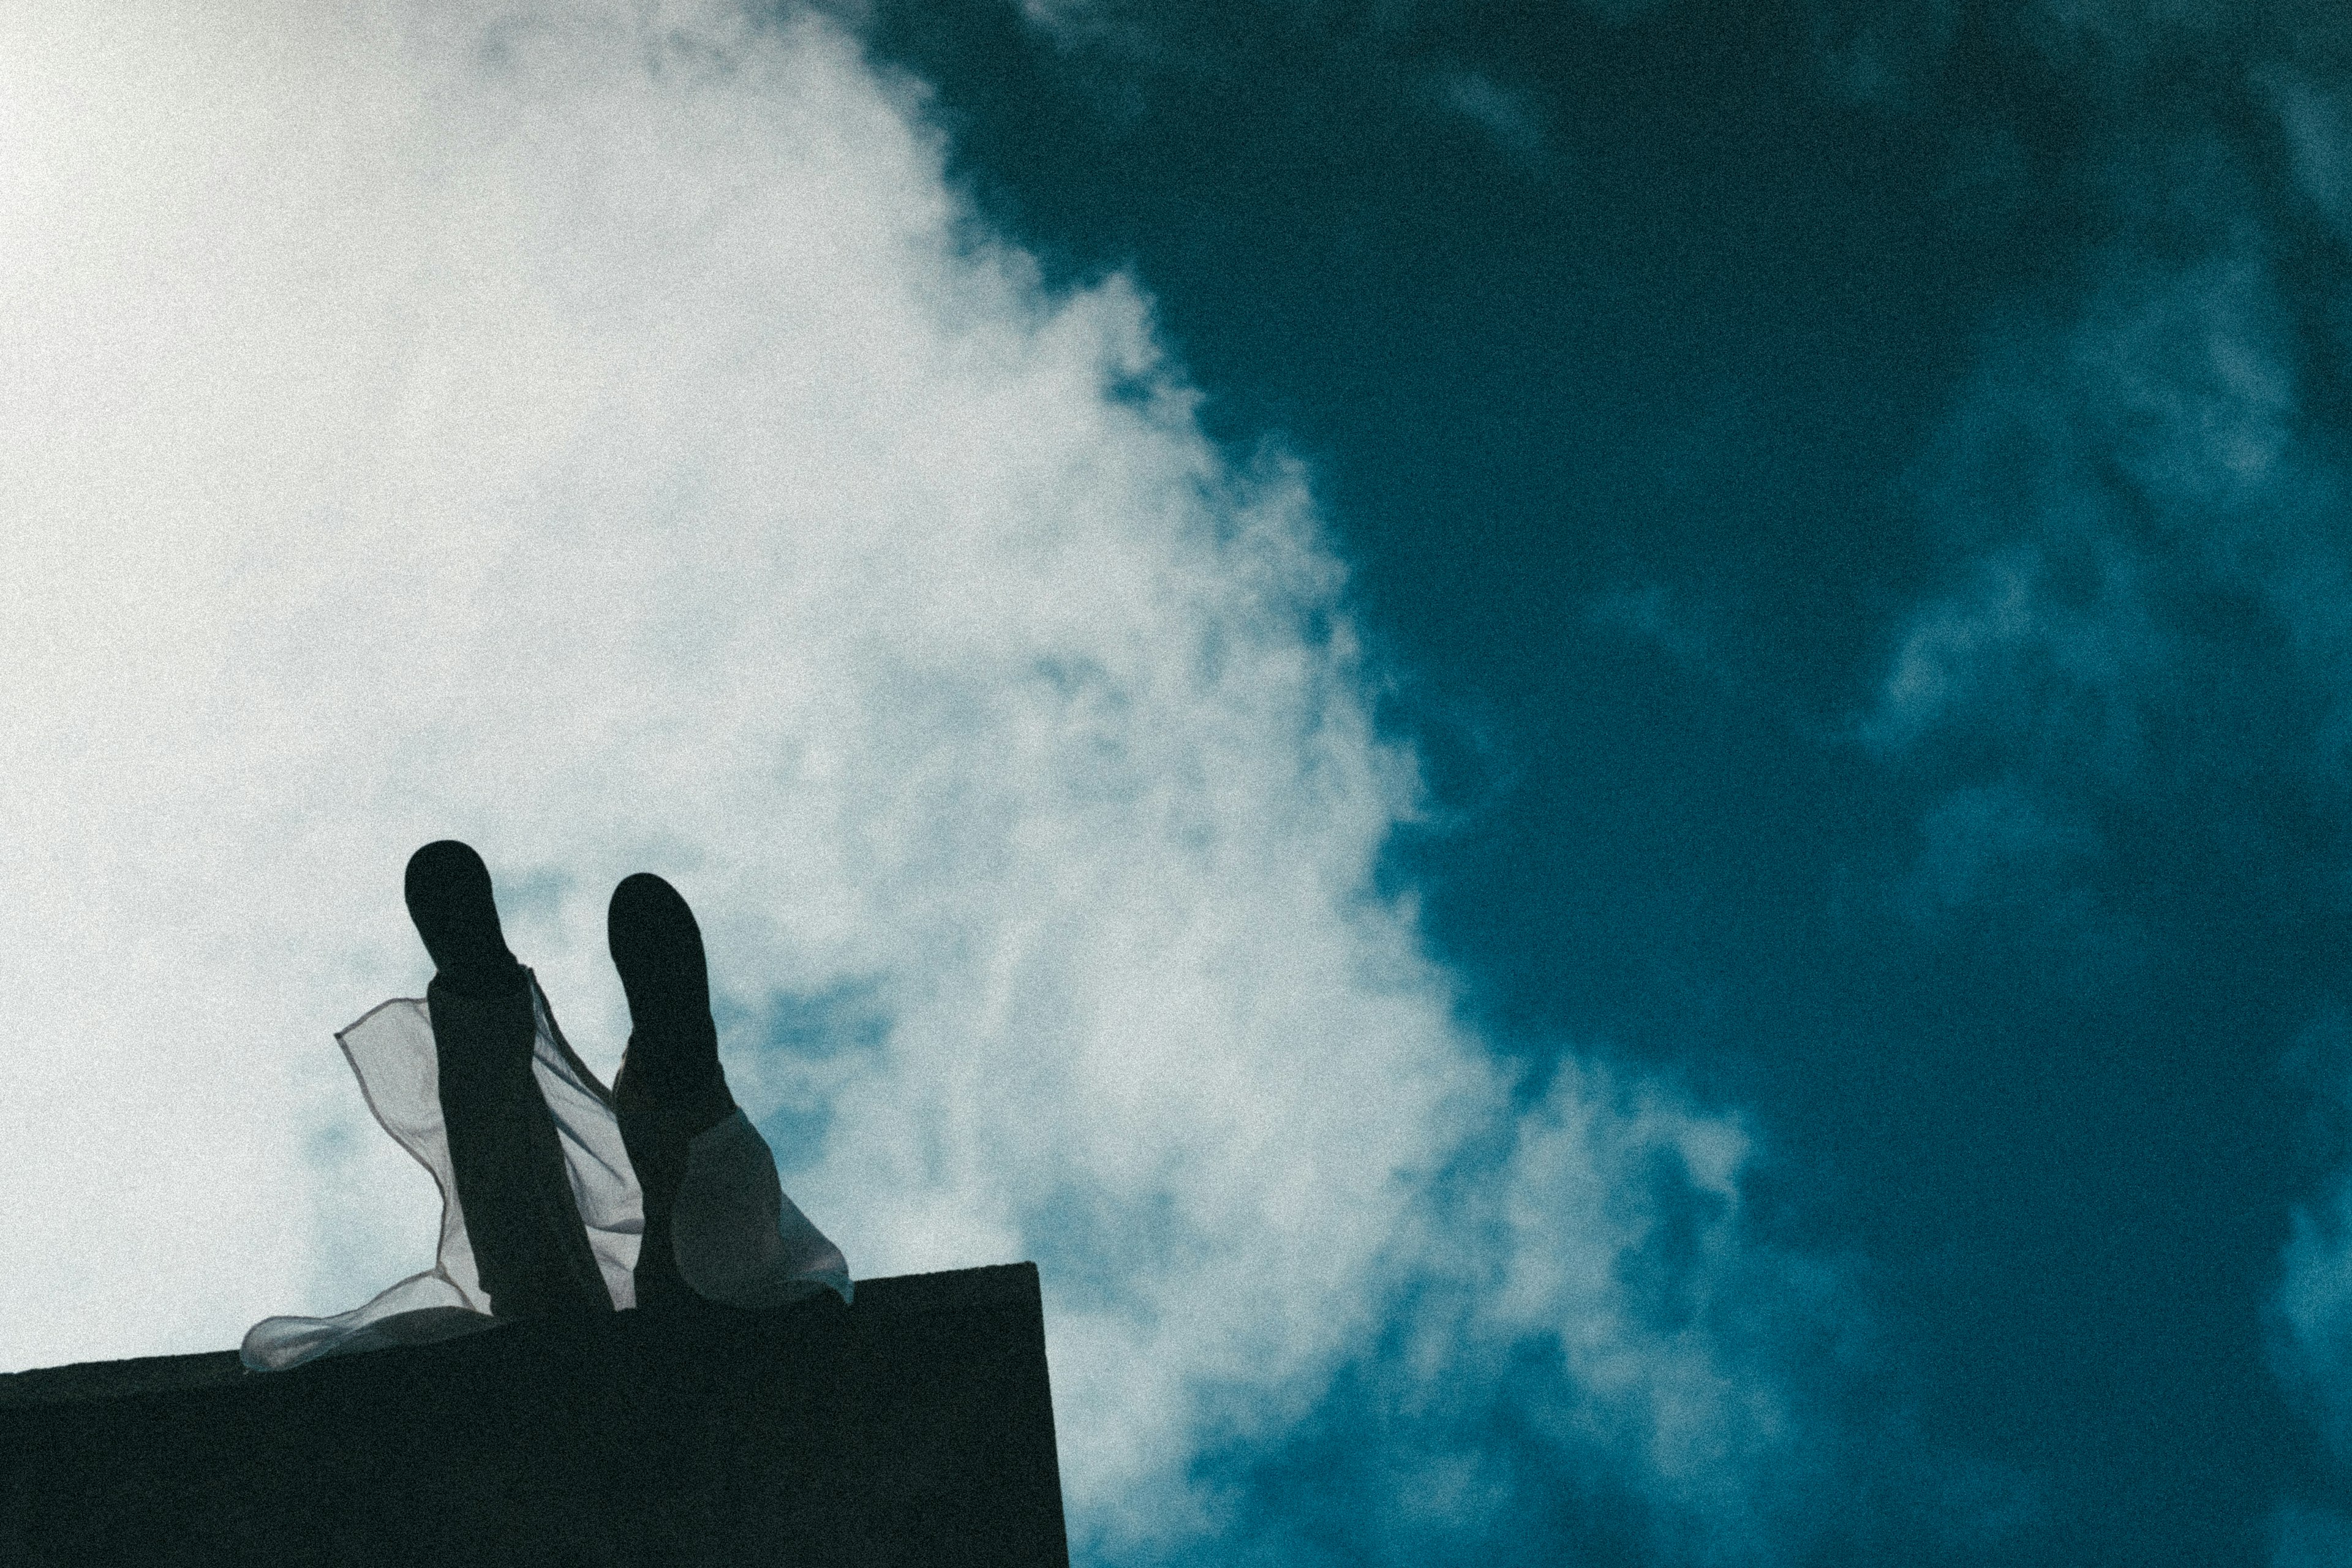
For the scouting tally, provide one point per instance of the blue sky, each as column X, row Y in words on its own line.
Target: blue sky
column 1593, row 757
column 1852, row 499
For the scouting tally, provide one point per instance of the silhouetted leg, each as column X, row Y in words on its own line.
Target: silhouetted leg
column 529, row 1243
column 670, row 1086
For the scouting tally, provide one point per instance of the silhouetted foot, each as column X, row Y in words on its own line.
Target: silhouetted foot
column 670, row 1088
column 513, row 1186
column 448, row 892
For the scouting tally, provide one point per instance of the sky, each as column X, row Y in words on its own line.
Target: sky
column 1593, row 757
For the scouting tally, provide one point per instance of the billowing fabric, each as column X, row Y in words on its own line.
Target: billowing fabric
column 739, row 1240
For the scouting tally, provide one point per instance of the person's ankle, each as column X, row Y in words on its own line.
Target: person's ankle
column 483, row 1035
column 491, row 982
column 650, row 1086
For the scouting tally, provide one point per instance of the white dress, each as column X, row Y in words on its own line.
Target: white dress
column 739, row 1241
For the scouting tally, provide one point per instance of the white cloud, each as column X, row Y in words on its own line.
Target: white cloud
column 2312, row 1351
column 596, row 433
column 2310, row 1538
column 1988, row 841
column 1655, row 1381
column 2118, row 467
column 1654, row 614
column 2314, row 1304
column 2317, row 127
column 2159, row 518
column 1510, row 115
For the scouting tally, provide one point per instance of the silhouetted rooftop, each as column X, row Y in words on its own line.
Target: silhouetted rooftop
column 914, row 1427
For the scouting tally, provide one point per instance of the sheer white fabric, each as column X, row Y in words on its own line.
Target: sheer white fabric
column 739, row 1240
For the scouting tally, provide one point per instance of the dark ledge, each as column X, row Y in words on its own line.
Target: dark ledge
column 914, row 1427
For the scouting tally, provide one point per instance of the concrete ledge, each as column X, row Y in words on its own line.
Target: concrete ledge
column 915, row 1427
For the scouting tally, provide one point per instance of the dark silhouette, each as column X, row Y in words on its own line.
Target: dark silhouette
column 757, row 1414
column 562, row 1198
column 528, row 1242
column 670, row 1087
column 911, row 1430
column 509, row 1157
column 457, row 914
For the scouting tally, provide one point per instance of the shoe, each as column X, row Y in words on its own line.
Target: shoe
column 449, row 898
column 670, row 1088
column 513, row 1186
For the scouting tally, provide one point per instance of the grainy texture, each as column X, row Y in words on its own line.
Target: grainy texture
column 915, row 1427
